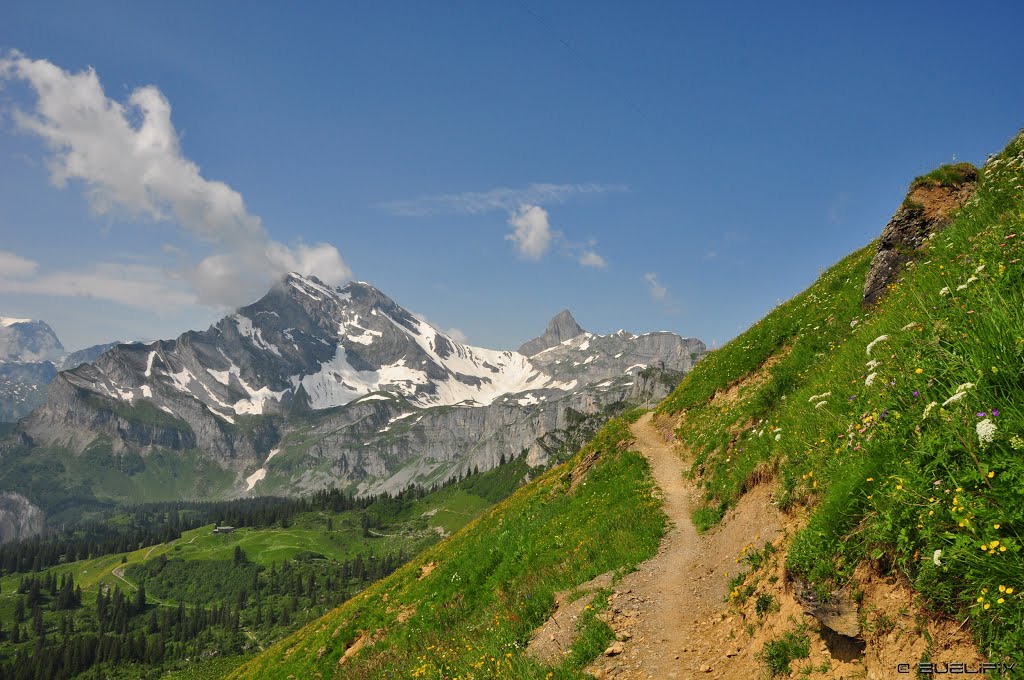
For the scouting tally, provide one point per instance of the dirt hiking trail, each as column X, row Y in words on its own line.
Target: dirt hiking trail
column 663, row 612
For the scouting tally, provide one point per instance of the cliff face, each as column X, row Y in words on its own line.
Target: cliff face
column 18, row 517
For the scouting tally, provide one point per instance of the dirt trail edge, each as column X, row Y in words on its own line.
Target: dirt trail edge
column 662, row 613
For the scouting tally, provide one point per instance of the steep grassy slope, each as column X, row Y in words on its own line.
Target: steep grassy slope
column 467, row 607
column 901, row 427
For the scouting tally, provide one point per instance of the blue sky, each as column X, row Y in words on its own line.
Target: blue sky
column 647, row 165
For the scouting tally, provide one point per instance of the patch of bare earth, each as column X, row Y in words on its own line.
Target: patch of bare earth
column 893, row 629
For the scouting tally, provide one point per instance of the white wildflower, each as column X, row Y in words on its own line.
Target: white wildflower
column 986, row 432
column 873, row 364
column 979, row 269
column 778, row 437
column 944, row 291
column 911, row 326
column 962, row 286
column 871, row 345
column 935, row 558
column 778, row 429
column 870, row 379
column 955, row 398
column 854, row 323
column 928, row 409
column 963, row 387
column 816, row 397
column 972, row 279
column 821, row 403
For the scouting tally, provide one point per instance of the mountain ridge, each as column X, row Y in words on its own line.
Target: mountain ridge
column 313, row 386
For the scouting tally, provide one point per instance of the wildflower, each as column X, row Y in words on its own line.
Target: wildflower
column 871, row 345
column 873, row 364
column 912, row 324
column 963, row 387
column 945, row 291
column 979, row 269
column 955, row 398
column 870, row 379
column 996, row 526
column 820, row 403
column 928, row 409
column 963, row 286
column 778, row 437
column 995, row 412
column 980, row 415
column 816, row 397
column 986, row 432
column 1009, row 590
column 991, row 474
column 917, row 394
column 919, row 371
column 935, row 558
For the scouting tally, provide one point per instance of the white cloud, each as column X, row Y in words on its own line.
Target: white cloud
column 589, row 258
column 16, row 267
column 531, row 231
column 133, row 285
column 500, row 199
column 129, row 159
column 657, row 291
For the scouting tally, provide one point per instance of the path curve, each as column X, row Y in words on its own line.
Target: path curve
column 661, row 612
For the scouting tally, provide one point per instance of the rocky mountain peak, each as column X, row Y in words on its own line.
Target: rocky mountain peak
column 28, row 340
column 562, row 327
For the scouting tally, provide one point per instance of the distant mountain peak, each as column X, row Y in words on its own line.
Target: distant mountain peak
column 560, row 328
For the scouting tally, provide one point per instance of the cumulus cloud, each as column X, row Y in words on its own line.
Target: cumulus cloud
column 589, row 258
column 129, row 159
column 499, row 199
column 531, row 231
column 657, row 291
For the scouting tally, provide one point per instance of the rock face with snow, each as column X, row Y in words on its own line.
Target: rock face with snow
column 350, row 388
column 561, row 327
column 28, row 340
column 30, row 356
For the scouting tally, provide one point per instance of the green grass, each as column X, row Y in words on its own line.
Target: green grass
column 779, row 653
column 952, row 175
column 493, row 582
column 897, row 469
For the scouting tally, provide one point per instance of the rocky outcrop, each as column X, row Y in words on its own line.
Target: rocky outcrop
column 18, row 517
column 562, row 327
column 927, row 209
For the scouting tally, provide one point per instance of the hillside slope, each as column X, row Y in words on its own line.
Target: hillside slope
column 467, row 607
column 897, row 427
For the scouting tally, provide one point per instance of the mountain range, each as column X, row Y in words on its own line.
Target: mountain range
column 314, row 386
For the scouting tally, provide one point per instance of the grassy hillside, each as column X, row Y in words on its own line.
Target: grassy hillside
column 467, row 607
column 900, row 426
